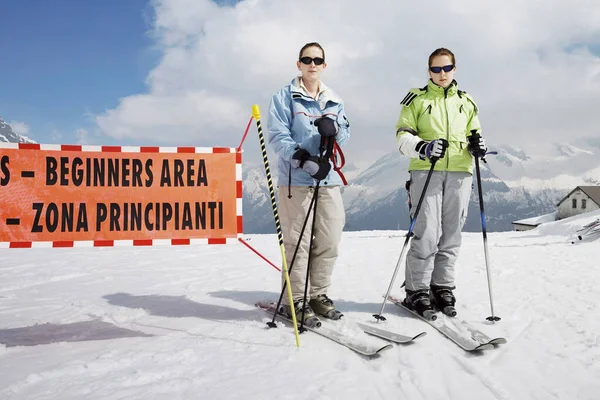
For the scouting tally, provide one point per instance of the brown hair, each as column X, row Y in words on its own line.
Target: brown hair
column 311, row 44
column 442, row 52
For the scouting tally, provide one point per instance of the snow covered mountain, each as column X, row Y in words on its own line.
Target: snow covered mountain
column 7, row 134
column 550, row 165
column 517, row 183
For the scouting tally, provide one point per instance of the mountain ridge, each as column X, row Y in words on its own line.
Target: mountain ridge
column 7, row 135
column 517, row 184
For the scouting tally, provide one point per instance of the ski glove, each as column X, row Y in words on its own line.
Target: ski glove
column 433, row 150
column 477, row 145
column 316, row 167
column 327, row 127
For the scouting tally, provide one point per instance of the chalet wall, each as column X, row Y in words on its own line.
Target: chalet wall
column 566, row 209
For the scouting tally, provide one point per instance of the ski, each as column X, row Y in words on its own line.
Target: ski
column 468, row 338
column 589, row 226
column 588, row 232
column 328, row 331
column 388, row 335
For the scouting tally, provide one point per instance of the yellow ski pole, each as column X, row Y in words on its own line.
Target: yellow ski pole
column 256, row 115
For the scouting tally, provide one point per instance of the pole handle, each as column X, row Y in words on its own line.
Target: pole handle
column 256, row 111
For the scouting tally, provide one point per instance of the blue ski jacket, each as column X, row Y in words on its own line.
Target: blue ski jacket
column 292, row 113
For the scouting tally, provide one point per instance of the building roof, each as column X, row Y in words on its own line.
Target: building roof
column 535, row 221
column 593, row 192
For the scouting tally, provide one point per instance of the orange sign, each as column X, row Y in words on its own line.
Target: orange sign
column 100, row 194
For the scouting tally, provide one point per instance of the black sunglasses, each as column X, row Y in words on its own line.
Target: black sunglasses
column 308, row 60
column 446, row 68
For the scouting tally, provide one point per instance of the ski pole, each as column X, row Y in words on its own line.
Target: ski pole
column 409, row 235
column 312, row 207
column 315, row 198
column 286, row 283
column 485, row 246
column 256, row 115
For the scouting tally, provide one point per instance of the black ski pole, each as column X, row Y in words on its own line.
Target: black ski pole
column 409, row 235
column 272, row 323
column 493, row 317
column 312, row 235
column 312, row 207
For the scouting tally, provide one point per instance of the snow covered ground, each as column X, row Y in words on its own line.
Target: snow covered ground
column 180, row 323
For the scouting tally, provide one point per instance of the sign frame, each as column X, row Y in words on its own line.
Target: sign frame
column 125, row 151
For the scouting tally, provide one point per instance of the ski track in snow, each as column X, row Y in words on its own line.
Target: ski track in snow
column 208, row 340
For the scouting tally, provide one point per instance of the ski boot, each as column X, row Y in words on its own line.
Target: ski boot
column 419, row 302
column 323, row 305
column 310, row 319
column 443, row 299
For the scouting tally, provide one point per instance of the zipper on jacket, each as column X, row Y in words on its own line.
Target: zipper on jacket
column 447, row 127
column 427, row 110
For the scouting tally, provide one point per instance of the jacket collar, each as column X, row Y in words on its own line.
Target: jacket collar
column 325, row 94
column 450, row 90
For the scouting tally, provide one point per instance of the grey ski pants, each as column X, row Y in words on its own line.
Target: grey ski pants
column 329, row 223
column 437, row 230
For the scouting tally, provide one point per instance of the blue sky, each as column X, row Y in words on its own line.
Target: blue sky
column 65, row 59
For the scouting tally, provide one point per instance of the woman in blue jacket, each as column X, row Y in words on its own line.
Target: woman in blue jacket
column 303, row 115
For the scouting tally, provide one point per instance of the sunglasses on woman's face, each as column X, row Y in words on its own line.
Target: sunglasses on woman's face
column 446, row 68
column 308, row 60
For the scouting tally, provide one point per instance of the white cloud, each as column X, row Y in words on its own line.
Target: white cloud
column 56, row 135
column 20, row 128
column 526, row 64
column 82, row 136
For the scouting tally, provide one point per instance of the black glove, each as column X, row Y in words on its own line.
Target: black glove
column 299, row 157
column 316, row 167
column 433, row 150
column 326, row 126
column 477, row 145
column 328, row 130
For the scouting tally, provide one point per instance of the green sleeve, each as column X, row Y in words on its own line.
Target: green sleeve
column 473, row 123
column 407, row 123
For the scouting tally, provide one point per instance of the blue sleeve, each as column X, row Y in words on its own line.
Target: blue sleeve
column 279, row 125
column 344, row 126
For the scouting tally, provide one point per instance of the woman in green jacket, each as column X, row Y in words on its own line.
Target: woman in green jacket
column 438, row 122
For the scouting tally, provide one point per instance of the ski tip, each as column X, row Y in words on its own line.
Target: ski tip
column 375, row 352
column 384, row 348
column 420, row 335
column 481, row 347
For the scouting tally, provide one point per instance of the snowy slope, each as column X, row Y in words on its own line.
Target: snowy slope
column 179, row 323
